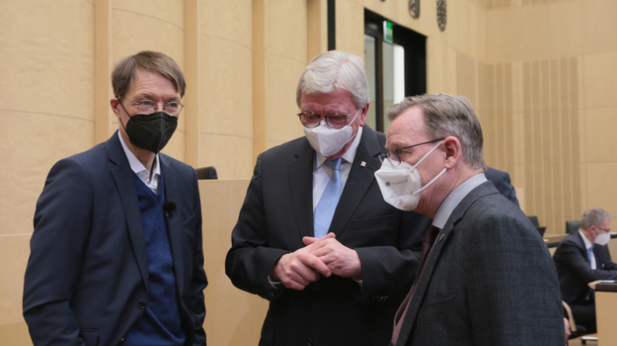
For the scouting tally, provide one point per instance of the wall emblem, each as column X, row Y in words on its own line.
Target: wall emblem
column 414, row 9
column 442, row 18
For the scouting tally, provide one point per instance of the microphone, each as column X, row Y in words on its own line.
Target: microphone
column 170, row 208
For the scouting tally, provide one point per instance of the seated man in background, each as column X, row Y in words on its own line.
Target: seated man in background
column 580, row 260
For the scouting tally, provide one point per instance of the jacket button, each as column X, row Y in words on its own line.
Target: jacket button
column 122, row 340
column 142, row 304
column 309, row 342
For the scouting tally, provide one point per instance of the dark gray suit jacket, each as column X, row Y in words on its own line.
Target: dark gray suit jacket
column 278, row 212
column 489, row 280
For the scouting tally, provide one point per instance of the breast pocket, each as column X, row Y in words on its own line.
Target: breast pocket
column 375, row 231
column 381, row 223
column 438, row 307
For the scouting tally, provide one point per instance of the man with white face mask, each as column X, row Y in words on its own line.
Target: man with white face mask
column 314, row 235
column 486, row 276
column 581, row 259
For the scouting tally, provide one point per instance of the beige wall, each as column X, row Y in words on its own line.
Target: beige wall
column 540, row 73
column 559, row 62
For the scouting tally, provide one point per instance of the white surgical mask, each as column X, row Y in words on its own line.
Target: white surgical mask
column 603, row 238
column 401, row 185
column 329, row 141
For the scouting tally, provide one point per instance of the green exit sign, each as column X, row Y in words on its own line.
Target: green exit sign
column 388, row 35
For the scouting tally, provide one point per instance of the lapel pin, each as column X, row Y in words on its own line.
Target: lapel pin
column 363, row 164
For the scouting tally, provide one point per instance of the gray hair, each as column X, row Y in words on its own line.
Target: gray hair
column 594, row 217
column 335, row 69
column 448, row 115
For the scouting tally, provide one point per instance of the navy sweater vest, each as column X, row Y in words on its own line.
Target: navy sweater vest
column 160, row 323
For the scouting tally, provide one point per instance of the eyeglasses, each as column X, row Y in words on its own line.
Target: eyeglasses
column 395, row 155
column 333, row 120
column 604, row 229
column 149, row 107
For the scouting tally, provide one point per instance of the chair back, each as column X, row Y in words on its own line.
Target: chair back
column 572, row 226
column 534, row 220
column 206, row 173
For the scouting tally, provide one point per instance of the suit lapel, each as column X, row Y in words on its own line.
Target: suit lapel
column 427, row 272
column 300, row 172
column 420, row 290
column 581, row 244
column 172, row 189
column 125, row 185
column 361, row 177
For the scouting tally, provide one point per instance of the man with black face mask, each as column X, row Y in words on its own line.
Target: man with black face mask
column 116, row 253
column 314, row 235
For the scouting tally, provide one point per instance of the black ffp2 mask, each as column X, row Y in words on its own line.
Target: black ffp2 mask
column 151, row 131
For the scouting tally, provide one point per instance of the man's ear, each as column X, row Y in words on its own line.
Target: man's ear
column 453, row 150
column 362, row 115
column 115, row 106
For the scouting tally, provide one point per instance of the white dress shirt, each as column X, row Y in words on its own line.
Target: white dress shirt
column 588, row 245
column 454, row 198
column 141, row 171
column 322, row 172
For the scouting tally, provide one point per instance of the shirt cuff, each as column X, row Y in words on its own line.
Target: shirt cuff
column 275, row 284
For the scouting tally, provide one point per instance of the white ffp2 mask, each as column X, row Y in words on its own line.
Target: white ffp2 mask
column 401, row 185
column 329, row 141
column 603, row 238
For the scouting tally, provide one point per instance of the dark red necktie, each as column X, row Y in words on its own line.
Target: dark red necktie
column 429, row 239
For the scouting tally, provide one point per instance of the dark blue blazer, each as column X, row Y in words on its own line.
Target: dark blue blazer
column 575, row 273
column 87, row 277
column 501, row 180
column 489, row 280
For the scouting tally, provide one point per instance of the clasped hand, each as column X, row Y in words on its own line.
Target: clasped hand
column 325, row 256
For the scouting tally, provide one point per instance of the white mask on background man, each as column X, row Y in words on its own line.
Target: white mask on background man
column 603, row 238
column 401, row 185
column 329, row 141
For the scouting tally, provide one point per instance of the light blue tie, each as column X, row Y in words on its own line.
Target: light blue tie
column 592, row 262
column 322, row 217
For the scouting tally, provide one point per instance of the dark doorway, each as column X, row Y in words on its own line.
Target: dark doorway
column 394, row 69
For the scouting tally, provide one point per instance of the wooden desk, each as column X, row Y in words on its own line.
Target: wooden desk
column 554, row 240
column 579, row 341
column 606, row 313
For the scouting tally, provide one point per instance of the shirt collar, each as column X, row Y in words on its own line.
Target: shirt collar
column 349, row 155
column 454, row 198
column 136, row 165
column 588, row 244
